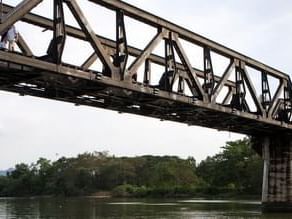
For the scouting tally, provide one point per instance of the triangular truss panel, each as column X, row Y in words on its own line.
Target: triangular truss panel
column 113, row 55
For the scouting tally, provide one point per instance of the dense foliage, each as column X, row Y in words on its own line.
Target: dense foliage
column 236, row 170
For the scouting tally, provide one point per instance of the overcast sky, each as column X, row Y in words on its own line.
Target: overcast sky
column 31, row 127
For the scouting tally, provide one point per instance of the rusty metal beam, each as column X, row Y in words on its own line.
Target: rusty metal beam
column 17, row 13
column 185, row 34
column 252, row 91
column 228, row 96
column 188, row 68
column 23, row 46
column 93, row 39
column 125, row 88
column 77, row 33
column 88, row 62
column 118, row 81
column 121, row 54
column 145, row 54
column 275, row 99
column 222, row 81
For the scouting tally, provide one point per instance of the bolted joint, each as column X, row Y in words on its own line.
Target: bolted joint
column 156, row 91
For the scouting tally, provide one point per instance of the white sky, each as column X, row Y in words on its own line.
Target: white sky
column 31, row 127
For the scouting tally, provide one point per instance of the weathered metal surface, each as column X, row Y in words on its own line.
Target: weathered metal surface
column 116, row 86
column 188, row 35
column 110, row 44
column 17, row 13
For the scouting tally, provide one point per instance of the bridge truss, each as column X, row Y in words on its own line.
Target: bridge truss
column 229, row 101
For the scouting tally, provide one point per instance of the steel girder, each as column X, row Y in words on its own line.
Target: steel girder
column 116, row 86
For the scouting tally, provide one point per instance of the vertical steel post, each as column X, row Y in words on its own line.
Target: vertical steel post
column 121, row 56
column 239, row 101
column 59, row 33
column 147, row 72
column 284, row 111
column 1, row 10
column 56, row 47
column 181, row 85
column 266, row 94
column 209, row 81
column 170, row 64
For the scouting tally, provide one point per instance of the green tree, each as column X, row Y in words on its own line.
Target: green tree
column 237, row 167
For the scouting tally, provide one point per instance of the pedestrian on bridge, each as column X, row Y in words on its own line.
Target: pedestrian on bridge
column 10, row 37
column 3, row 40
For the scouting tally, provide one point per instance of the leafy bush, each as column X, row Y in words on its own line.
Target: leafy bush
column 235, row 170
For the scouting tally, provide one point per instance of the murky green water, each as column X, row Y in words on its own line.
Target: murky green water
column 89, row 208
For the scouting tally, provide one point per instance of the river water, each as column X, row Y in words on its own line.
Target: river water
column 90, row 208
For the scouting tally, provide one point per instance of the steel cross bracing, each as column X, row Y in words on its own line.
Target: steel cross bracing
column 183, row 93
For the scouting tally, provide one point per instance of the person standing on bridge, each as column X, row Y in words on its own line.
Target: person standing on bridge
column 10, row 37
column 3, row 40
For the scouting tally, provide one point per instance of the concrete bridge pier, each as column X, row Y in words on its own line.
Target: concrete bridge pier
column 277, row 175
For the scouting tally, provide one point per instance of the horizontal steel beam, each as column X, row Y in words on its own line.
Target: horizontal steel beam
column 185, row 34
column 77, row 33
column 34, row 66
column 201, row 96
column 18, row 12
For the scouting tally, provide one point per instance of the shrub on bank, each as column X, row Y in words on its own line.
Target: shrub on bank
column 127, row 190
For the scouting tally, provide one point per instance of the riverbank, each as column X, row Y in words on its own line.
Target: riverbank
column 131, row 196
column 128, row 191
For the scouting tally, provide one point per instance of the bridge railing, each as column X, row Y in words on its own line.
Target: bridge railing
column 236, row 86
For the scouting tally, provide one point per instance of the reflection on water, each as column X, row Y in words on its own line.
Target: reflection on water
column 90, row 208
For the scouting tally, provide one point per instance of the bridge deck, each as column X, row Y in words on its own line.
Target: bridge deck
column 31, row 76
column 225, row 100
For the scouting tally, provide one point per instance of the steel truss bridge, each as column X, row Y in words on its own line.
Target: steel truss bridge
column 115, row 87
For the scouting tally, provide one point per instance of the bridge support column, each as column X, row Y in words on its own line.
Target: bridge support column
column 277, row 177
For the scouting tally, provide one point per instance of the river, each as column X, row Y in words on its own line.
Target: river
column 90, row 208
